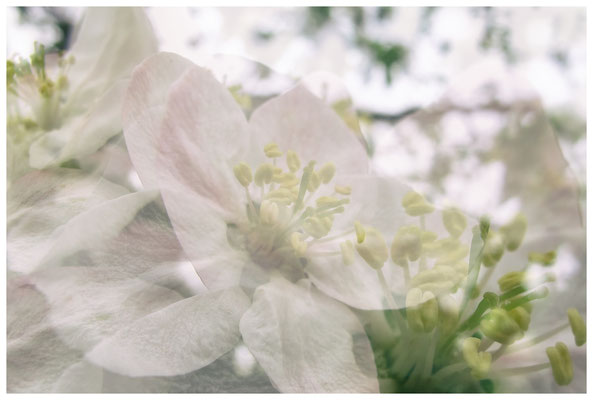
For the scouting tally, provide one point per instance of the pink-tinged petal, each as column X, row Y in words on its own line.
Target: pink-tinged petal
column 300, row 121
column 307, row 342
column 144, row 108
column 178, row 339
column 203, row 230
column 203, row 135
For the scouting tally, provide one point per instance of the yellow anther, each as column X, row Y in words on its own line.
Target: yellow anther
column 272, row 151
column 415, row 204
column 514, row 231
column 454, row 222
column 243, row 174
column 422, row 310
column 499, row 326
column 478, row 361
column 406, row 245
column 326, row 201
column 448, row 314
column 282, row 195
column 521, row 317
column 545, row 259
column 327, row 172
column 318, row 227
column 293, row 161
column 446, row 251
column 344, row 190
column 561, row 363
column 360, row 232
column 511, row 280
column 297, row 243
column 578, row 327
column 347, row 249
column 314, row 182
column 268, row 212
column 264, row 174
column 373, row 248
column 287, row 179
column 439, row 279
column 493, row 249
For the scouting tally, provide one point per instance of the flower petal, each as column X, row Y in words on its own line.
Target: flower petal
column 102, row 55
column 180, row 338
column 106, row 221
column 307, row 342
column 299, row 121
column 144, row 107
column 82, row 135
column 203, row 135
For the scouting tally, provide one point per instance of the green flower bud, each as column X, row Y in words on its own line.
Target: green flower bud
column 499, row 326
column 511, row 280
column 422, row 310
column 448, row 314
column 514, row 232
column 578, row 327
column 561, row 363
column 493, row 249
column 415, row 204
column 373, row 248
column 478, row 361
column 521, row 316
column 243, row 174
column 454, row 221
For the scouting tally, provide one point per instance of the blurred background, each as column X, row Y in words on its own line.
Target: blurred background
column 393, row 61
column 483, row 108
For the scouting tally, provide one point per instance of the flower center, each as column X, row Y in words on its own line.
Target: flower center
column 289, row 209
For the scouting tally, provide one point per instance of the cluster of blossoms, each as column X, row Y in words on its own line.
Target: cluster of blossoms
column 284, row 226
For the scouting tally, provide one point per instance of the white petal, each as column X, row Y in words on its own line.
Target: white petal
column 89, row 304
column 299, row 121
column 81, row 377
column 109, row 44
column 144, row 107
column 307, row 342
column 85, row 230
column 203, row 134
column 82, row 135
column 201, row 227
column 178, row 339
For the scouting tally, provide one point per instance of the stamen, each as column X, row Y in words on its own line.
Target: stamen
column 577, row 325
column 373, row 249
column 347, row 250
column 264, row 174
column 415, row 204
column 561, row 363
column 514, row 231
column 344, row 190
column 272, row 151
column 293, row 161
column 327, row 172
column 243, row 174
column 454, row 222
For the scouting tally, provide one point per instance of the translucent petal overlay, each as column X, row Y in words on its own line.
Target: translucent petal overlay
column 82, row 135
column 105, row 55
column 144, row 107
column 299, row 121
column 375, row 202
column 89, row 304
column 82, row 377
column 41, row 202
column 106, row 221
column 177, row 339
column 35, row 355
column 201, row 228
column 307, row 342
